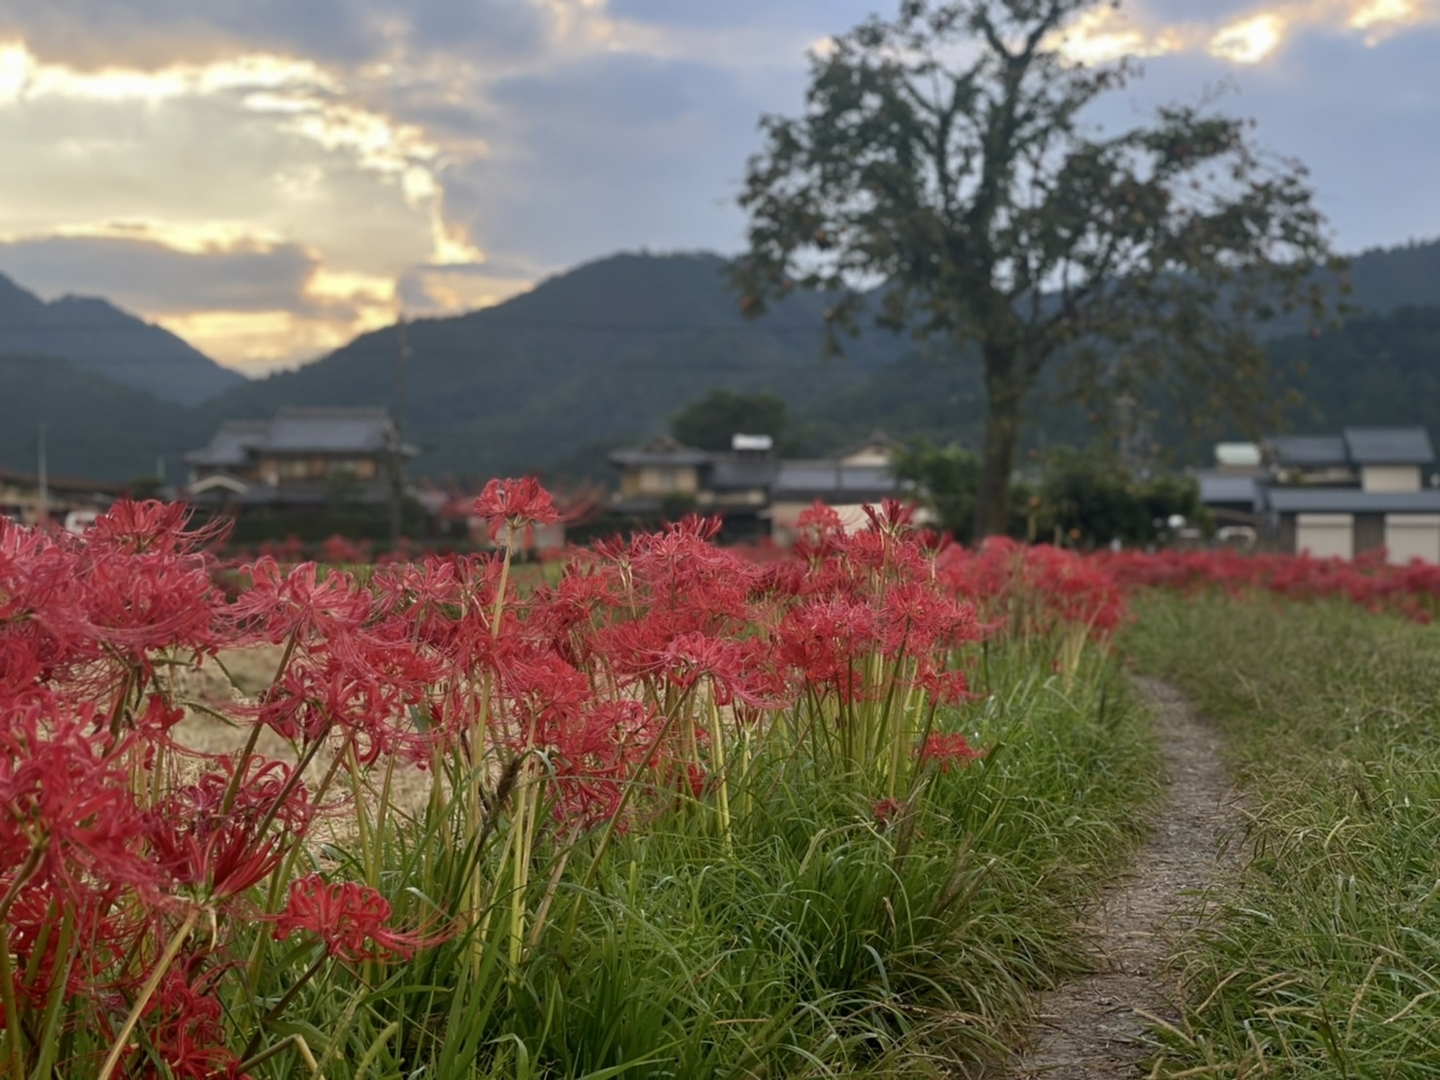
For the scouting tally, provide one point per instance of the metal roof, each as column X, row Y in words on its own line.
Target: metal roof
column 1307, row 450
column 1288, row 500
column 1389, row 446
column 1227, row 488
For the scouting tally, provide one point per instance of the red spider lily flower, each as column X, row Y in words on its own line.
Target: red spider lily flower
column 345, row 916
column 516, row 504
column 944, row 687
column 67, row 799
column 111, row 928
column 886, row 811
column 892, row 518
column 185, row 1029
column 150, row 525
column 948, row 751
column 279, row 603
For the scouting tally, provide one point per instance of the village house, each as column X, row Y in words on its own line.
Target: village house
column 72, row 502
column 1336, row 495
column 303, row 456
column 750, row 488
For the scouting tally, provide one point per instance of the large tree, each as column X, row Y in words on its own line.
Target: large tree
column 950, row 157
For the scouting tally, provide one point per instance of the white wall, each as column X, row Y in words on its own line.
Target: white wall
column 1325, row 536
column 1390, row 478
column 1412, row 536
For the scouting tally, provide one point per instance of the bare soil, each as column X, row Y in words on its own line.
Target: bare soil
column 1099, row 1027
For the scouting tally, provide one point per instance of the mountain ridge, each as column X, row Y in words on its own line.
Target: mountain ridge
column 96, row 335
column 606, row 353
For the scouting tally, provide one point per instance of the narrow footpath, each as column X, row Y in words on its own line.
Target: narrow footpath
column 1096, row 1027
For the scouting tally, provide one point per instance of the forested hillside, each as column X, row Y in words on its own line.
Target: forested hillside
column 95, row 335
column 607, row 353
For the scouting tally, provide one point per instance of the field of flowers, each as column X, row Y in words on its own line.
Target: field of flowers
column 682, row 811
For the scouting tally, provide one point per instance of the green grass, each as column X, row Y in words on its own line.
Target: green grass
column 1322, row 957
column 818, row 942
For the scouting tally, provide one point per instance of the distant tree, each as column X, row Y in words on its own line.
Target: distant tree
column 947, row 478
column 1090, row 499
column 709, row 423
column 947, row 153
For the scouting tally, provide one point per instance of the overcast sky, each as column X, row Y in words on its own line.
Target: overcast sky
column 269, row 177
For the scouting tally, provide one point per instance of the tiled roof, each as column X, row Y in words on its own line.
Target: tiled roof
column 1314, row 451
column 300, row 431
column 742, row 472
column 1319, row 500
column 832, row 477
column 1227, row 488
column 662, row 450
column 334, row 431
column 1389, row 446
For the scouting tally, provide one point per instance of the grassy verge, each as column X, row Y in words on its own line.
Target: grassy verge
column 821, row 939
column 1323, row 956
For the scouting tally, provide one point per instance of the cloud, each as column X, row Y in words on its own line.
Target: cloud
column 1239, row 31
column 142, row 275
column 94, row 34
column 1355, row 114
column 268, row 177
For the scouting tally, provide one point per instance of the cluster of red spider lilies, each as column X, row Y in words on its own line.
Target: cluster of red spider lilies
column 147, row 889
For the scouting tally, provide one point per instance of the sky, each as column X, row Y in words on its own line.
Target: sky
column 268, row 178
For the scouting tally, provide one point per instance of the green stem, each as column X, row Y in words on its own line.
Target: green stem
column 280, row 1006
column 717, row 756
column 14, row 1035
column 67, row 946
column 147, row 992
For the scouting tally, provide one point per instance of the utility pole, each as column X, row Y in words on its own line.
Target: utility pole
column 397, row 459
column 1125, row 407
column 42, row 510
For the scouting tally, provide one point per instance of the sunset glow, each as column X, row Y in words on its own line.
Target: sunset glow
column 269, row 186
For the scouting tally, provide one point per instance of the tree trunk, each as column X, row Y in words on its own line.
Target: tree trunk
column 1002, row 435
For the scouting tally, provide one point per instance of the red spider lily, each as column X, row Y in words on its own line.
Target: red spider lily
column 66, row 804
column 219, row 852
column 348, row 918
column 279, row 604
column 185, row 1029
column 516, row 504
column 107, row 928
column 892, row 518
column 948, row 751
column 886, row 811
column 944, row 687
column 735, row 668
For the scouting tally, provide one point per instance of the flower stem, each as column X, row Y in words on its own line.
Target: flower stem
column 147, row 992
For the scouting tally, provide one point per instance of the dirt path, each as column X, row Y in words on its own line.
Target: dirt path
column 1095, row 1028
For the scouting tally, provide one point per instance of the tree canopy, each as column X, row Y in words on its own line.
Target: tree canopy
column 949, row 152
column 709, row 424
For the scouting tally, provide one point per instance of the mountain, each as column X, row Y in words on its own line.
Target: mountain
column 94, row 426
column 604, row 355
column 585, row 361
column 1375, row 369
column 95, row 335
